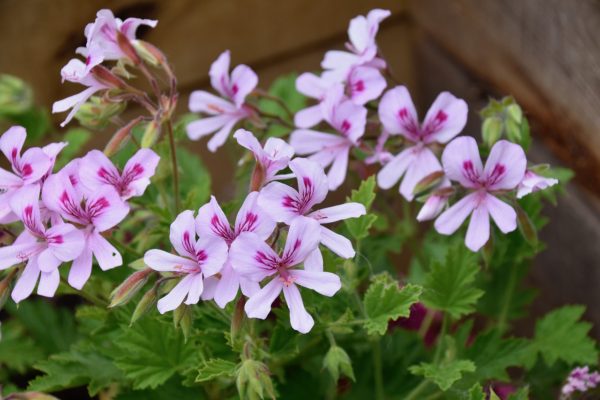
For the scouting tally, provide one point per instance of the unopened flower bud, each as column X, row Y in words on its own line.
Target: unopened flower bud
column 97, row 112
column 254, row 380
column 429, row 182
column 105, row 76
column 130, row 287
column 491, row 130
column 147, row 302
column 258, row 177
column 127, row 48
column 182, row 317
column 149, row 53
column 526, row 226
column 515, row 112
column 513, row 130
column 151, row 134
column 15, row 95
column 121, row 137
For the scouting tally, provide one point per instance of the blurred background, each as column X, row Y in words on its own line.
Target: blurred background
column 545, row 53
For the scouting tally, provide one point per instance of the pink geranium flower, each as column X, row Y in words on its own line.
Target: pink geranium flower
column 272, row 158
column 315, row 87
column 44, row 249
column 253, row 258
column 285, row 204
column 435, row 203
column 503, row 171
column 27, row 168
column 224, row 112
column 96, row 211
column 196, row 261
column 212, row 222
column 101, row 37
column 445, row 119
column 580, row 380
column 349, row 120
column 76, row 71
column 96, row 170
column 362, row 48
column 533, row 182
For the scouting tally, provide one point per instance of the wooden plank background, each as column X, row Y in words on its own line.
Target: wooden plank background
column 544, row 52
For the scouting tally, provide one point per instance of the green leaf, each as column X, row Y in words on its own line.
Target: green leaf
column 559, row 335
column 80, row 366
column 476, row 392
column 445, row 374
column 214, row 368
column 52, row 328
column 172, row 390
column 521, row 394
column 359, row 227
column 284, row 87
column 449, row 285
column 17, row 351
column 337, row 360
column 77, row 138
column 493, row 355
column 151, row 351
column 385, row 301
column 254, row 381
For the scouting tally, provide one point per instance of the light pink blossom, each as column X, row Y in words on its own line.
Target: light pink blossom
column 364, row 84
column 77, row 72
column 435, row 203
column 380, row 154
column 274, row 157
column 362, row 49
column 96, row 211
column 224, row 112
column 285, row 204
column 349, row 120
column 27, row 168
column 196, row 261
column 580, row 380
column 212, row 222
column 44, row 249
column 504, row 169
column 253, row 258
column 101, row 37
column 445, row 119
column 315, row 87
column 96, row 170
column 533, row 182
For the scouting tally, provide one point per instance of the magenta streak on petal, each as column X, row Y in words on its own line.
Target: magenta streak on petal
column 470, row 172
column 407, row 122
column 108, row 177
column 187, row 243
column 235, row 89
column 248, row 225
column 29, row 221
column 435, row 125
column 222, row 230
column 73, row 179
column 300, row 205
column 358, row 86
column 57, row 239
column 496, row 174
column 97, row 208
column 72, row 209
column 131, row 174
column 269, row 262
column 287, row 257
column 345, row 127
column 26, row 170
column 13, row 155
column 109, row 33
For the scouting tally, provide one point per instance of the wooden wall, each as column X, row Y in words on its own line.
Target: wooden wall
column 544, row 52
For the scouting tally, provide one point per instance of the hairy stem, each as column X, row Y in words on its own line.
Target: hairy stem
column 503, row 318
column 378, row 368
column 416, row 392
column 175, row 167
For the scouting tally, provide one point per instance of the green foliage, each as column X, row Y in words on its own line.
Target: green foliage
column 77, row 139
column 365, row 195
column 283, row 88
column 559, row 335
column 17, row 350
column 216, row 367
column 151, row 351
column 338, row 362
column 449, row 285
column 82, row 365
column 444, row 374
column 385, row 301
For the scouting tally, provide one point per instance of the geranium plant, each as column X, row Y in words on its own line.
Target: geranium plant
column 282, row 289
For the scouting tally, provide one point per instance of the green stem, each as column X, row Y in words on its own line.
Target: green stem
column 416, row 392
column 503, row 318
column 440, row 341
column 175, row 167
column 378, row 368
column 277, row 100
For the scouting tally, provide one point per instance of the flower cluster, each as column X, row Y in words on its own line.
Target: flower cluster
column 216, row 259
column 65, row 215
column 580, row 380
